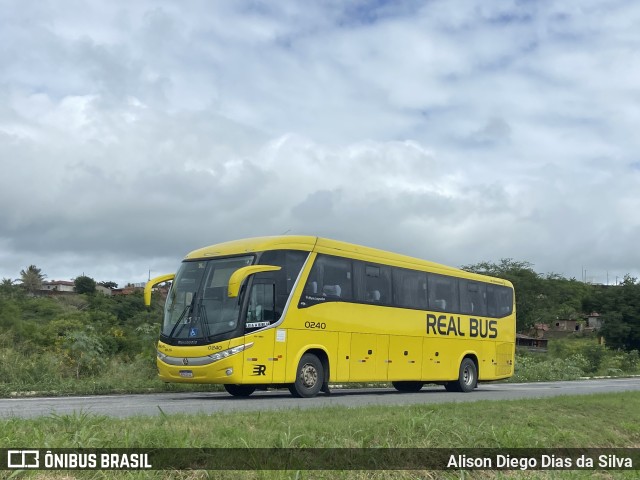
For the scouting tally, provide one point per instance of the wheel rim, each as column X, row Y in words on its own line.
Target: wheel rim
column 308, row 375
column 467, row 376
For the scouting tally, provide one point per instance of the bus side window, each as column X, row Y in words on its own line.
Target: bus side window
column 373, row 283
column 313, row 285
column 443, row 293
column 473, row 297
column 291, row 262
column 336, row 275
column 499, row 301
column 410, row 288
column 329, row 279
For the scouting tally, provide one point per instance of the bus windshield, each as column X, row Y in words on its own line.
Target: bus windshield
column 198, row 306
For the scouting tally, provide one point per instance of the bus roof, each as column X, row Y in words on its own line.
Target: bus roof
column 331, row 247
column 257, row 244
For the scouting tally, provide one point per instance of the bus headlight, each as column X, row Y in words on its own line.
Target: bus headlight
column 201, row 361
column 232, row 351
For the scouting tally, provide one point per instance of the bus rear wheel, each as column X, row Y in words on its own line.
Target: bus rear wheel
column 309, row 377
column 407, row 386
column 239, row 390
column 467, row 378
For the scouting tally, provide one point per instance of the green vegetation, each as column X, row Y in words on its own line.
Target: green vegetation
column 621, row 309
column 91, row 343
column 570, row 359
column 607, row 420
column 569, row 421
column 31, row 278
column 84, row 284
column 77, row 343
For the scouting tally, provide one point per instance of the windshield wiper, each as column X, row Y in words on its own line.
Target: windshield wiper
column 188, row 308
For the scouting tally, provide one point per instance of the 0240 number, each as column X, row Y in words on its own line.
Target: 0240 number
column 320, row 325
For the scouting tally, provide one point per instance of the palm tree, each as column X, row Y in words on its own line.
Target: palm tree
column 32, row 278
column 7, row 287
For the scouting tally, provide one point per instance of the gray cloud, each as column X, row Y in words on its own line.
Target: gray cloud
column 131, row 133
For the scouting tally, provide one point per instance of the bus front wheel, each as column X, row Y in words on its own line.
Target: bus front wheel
column 239, row 390
column 309, row 377
column 467, row 378
column 407, row 386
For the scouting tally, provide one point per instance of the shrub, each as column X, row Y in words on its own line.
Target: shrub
column 535, row 369
column 84, row 351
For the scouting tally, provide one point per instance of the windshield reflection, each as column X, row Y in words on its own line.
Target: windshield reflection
column 198, row 306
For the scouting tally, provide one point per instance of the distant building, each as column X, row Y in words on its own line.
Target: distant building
column 566, row 326
column 531, row 343
column 162, row 289
column 539, row 330
column 57, row 286
column 103, row 290
column 594, row 321
column 128, row 290
column 559, row 328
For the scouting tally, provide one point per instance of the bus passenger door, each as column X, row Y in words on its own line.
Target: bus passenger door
column 259, row 361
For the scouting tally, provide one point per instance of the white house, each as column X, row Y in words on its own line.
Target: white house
column 57, row 286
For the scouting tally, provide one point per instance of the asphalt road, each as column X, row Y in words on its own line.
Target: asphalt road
column 153, row 404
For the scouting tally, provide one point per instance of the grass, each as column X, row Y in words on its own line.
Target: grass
column 606, row 420
column 44, row 374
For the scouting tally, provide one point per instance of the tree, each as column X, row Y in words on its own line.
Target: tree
column 32, row 278
column 7, row 287
column 619, row 307
column 84, row 284
column 110, row 285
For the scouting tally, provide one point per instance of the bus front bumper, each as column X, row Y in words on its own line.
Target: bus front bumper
column 222, row 367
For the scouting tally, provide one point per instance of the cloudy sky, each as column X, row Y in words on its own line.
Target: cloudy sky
column 455, row 131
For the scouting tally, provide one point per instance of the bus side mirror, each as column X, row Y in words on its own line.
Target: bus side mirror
column 237, row 277
column 152, row 283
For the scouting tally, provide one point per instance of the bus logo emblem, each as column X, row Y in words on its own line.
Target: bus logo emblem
column 185, row 361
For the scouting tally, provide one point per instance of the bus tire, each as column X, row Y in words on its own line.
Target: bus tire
column 239, row 390
column 408, row 387
column 467, row 378
column 309, row 377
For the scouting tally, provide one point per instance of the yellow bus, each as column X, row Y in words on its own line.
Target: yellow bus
column 302, row 312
